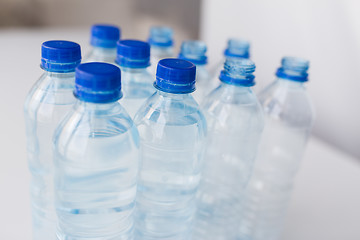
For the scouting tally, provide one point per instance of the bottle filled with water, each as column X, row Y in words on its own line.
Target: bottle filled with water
column 195, row 52
column 103, row 41
column 235, row 123
column 162, row 45
column 133, row 57
column 96, row 160
column 172, row 134
column 289, row 117
column 47, row 103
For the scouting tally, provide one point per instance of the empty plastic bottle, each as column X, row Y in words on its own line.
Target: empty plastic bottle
column 195, row 52
column 96, row 160
column 172, row 134
column 235, row 123
column 103, row 41
column 289, row 117
column 46, row 104
column 162, row 45
column 133, row 57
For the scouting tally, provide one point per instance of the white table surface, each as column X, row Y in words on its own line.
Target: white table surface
column 325, row 203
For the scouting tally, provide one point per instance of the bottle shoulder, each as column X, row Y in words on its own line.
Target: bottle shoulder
column 49, row 93
column 83, row 123
column 229, row 107
column 164, row 110
column 289, row 104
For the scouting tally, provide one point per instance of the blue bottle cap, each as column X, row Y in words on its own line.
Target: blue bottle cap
column 238, row 71
column 294, row 69
column 133, row 54
column 237, row 48
column 60, row 56
column 104, row 35
column 175, row 76
column 97, row 82
column 161, row 36
column 193, row 51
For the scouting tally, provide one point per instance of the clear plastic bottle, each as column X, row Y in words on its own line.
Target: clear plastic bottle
column 133, row 57
column 289, row 117
column 103, row 41
column 236, row 48
column 235, row 123
column 162, row 45
column 96, row 160
column 46, row 104
column 195, row 52
column 172, row 134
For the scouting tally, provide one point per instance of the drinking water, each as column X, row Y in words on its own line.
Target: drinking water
column 96, row 160
column 195, row 52
column 103, row 41
column 172, row 134
column 235, row 123
column 46, row 104
column 162, row 45
column 289, row 119
column 133, row 57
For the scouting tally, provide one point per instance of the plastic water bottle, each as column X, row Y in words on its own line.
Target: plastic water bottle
column 236, row 48
column 195, row 52
column 162, row 45
column 96, row 160
column 46, row 104
column 103, row 41
column 133, row 57
column 235, row 123
column 172, row 134
column 289, row 117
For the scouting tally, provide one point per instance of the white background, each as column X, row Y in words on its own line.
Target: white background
column 327, row 32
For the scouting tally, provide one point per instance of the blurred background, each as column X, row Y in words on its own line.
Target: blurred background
column 327, row 32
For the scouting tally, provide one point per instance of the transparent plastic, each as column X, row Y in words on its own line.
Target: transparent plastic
column 289, row 117
column 172, row 135
column 235, row 123
column 236, row 49
column 100, row 54
column 204, row 85
column 46, row 105
column 156, row 54
column 137, row 87
column 96, row 165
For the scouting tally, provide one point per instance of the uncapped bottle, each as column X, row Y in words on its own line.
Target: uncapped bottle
column 289, row 117
column 235, row 123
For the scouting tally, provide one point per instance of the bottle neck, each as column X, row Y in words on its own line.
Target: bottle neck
column 235, row 89
column 103, row 54
column 103, row 50
column 175, row 96
column 158, row 49
column 133, row 70
column 290, row 83
column 91, row 107
column 59, row 81
column 60, row 76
